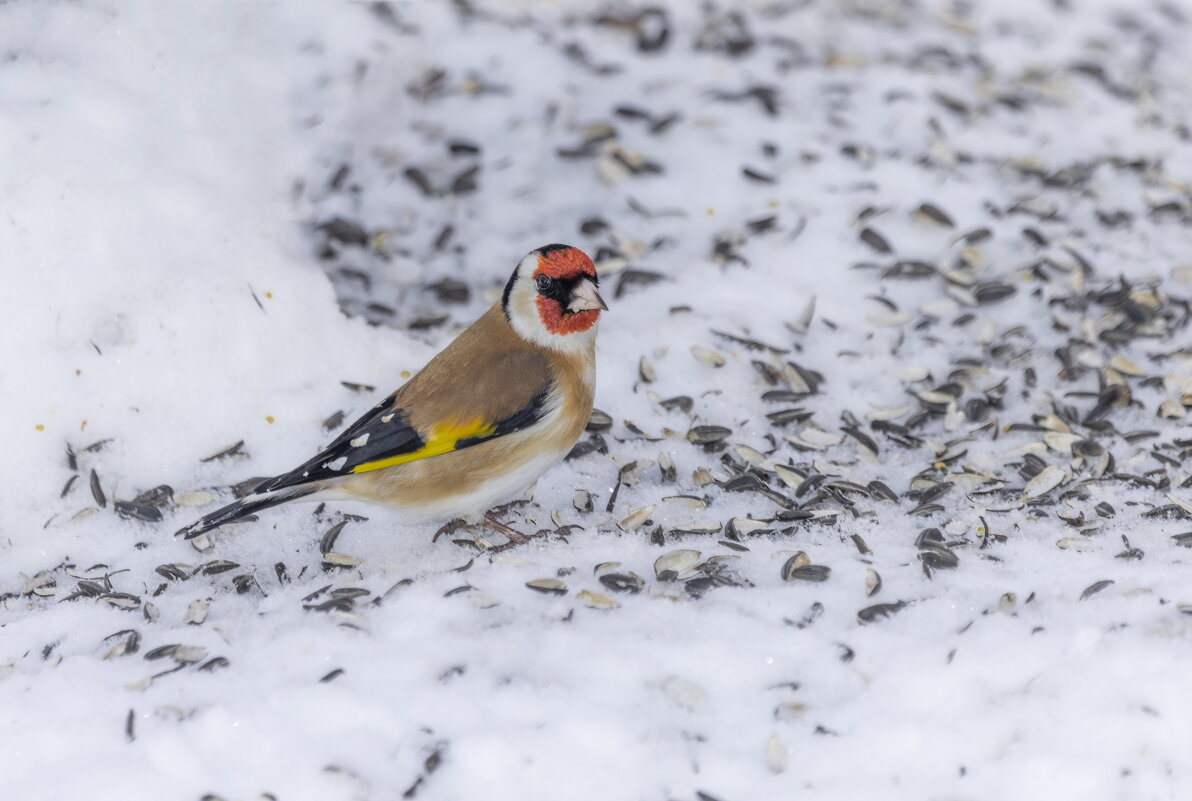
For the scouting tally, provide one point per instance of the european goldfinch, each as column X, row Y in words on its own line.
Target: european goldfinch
column 481, row 421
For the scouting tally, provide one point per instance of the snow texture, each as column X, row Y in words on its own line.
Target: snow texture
column 940, row 248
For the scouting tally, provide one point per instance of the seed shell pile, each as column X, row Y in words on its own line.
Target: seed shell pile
column 891, row 454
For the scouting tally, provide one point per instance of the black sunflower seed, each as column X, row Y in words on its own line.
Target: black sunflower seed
column 136, row 511
column 871, row 614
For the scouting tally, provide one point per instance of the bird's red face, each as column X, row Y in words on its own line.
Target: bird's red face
column 568, row 300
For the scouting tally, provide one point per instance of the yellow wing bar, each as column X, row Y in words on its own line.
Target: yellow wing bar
column 443, row 439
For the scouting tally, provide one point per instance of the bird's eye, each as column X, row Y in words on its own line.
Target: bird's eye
column 545, row 283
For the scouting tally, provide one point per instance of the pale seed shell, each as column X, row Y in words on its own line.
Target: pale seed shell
column 818, row 437
column 750, row 455
column 677, row 564
column 1061, row 442
column 646, row 371
column 707, row 356
column 886, row 413
column 196, row 612
column 189, row 654
column 873, row 582
column 1171, row 410
column 595, row 600
column 801, row 325
column 788, row 476
column 687, row 501
column 198, row 498
column 635, row 518
column 1048, row 479
column 341, row 560
column 800, row 559
column 548, row 586
column 775, row 755
column 746, row 525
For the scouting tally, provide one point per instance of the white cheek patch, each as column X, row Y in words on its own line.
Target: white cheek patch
column 525, row 319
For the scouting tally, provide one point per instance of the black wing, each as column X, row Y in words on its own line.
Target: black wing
column 384, row 437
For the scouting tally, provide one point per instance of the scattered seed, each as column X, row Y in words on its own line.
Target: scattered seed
column 646, row 371
column 341, row 560
column 814, row 573
column 548, row 586
column 97, row 491
column 595, row 600
column 136, row 511
column 707, row 356
column 232, row 450
column 1095, row 588
column 677, row 565
column 196, row 612
column 708, row 435
column 599, row 421
column 635, row 518
column 681, row 403
column 623, row 582
column 872, row 614
column 327, row 543
column 1047, row 480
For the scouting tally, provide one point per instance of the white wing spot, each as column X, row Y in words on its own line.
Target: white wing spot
column 360, row 441
column 387, row 418
column 336, row 464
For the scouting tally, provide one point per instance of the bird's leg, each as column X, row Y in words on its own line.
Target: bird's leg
column 515, row 536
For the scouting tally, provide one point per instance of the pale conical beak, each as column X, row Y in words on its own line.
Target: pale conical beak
column 585, row 297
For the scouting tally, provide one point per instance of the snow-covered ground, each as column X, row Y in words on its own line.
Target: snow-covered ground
column 903, row 287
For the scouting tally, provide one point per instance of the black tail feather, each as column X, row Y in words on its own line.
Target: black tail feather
column 242, row 508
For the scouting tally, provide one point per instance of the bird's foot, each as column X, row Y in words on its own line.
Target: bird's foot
column 515, row 537
column 452, row 526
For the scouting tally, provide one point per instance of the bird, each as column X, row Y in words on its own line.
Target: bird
column 500, row 405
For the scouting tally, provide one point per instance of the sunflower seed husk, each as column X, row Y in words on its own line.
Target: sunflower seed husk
column 595, row 600
column 548, row 586
column 707, row 356
column 667, row 468
column 707, row 435
column 814, row 573
column 341, row 560
column 1048, row 479
column 136, row 511
column 1095, row 588
column 687, row 501
column 635, row 518
column 793, row 563
column 599, row 421
column 196, row 612
column 677, row 565
column 623, row 582
column 871, row 614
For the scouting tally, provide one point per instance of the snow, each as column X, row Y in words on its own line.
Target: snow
column 170, row 172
